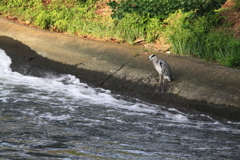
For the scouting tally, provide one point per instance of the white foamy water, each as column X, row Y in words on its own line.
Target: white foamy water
column 63, row 118
column 66, row 89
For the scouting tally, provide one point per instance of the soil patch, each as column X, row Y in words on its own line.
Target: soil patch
column 232, row 13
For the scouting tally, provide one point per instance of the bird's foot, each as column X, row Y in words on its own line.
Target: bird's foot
column 155, row 93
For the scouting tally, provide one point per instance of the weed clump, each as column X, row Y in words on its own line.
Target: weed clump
column 202, row 37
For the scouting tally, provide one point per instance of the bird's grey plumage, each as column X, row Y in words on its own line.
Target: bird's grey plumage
column 162, row 68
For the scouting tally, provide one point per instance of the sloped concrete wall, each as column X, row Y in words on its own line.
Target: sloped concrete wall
column 121, row 68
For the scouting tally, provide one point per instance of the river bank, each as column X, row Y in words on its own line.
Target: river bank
column 201, row 86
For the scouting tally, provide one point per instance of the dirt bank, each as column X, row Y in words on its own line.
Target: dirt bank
column 198, row 85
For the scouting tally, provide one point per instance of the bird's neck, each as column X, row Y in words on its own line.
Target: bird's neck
column 154, row 61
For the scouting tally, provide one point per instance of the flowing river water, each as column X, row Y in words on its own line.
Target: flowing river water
column 58, row 117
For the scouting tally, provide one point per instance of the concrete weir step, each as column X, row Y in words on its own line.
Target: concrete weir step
column 197, row 85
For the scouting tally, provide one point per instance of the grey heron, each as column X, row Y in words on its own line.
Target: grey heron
column 162, row 68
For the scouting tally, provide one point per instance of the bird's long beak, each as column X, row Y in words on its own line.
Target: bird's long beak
column 147, row 61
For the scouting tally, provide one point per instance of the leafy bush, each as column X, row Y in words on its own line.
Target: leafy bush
column 163, row 8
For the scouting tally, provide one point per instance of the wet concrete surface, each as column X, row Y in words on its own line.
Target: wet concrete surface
column 198, row 86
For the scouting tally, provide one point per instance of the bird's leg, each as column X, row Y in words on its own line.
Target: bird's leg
column 159, row 82
column 163, row 86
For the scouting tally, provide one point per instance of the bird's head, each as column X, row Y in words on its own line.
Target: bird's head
column 151, row 57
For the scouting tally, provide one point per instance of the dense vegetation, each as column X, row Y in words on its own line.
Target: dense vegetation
column 191, row 26
column 162, row 8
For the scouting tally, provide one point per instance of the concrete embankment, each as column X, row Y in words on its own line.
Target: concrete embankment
column 199, row 85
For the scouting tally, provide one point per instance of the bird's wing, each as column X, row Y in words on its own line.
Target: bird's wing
column 163, row 67
column 166, row 70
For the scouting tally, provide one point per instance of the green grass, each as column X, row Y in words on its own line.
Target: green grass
column 74, row 17
column 201, row 37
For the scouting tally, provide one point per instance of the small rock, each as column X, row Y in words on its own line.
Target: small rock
column 27, row 22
